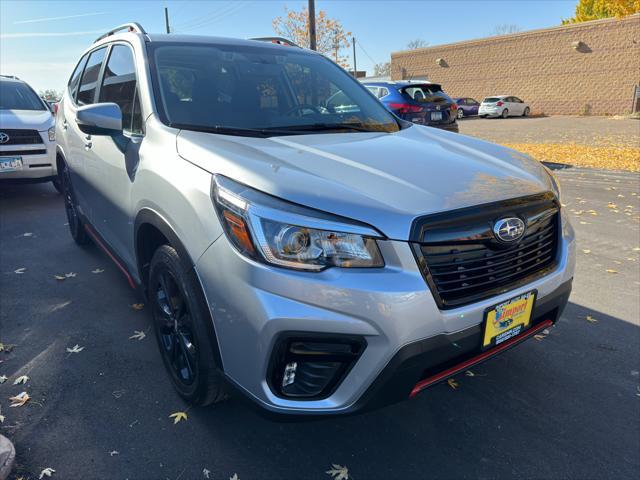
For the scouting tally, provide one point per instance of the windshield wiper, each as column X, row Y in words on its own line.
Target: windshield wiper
column 319, row 127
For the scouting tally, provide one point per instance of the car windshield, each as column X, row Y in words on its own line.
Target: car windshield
column 259, row 90
column 491, row 99
column 18, row 96
column 426, row 93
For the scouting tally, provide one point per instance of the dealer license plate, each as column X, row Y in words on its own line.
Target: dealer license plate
column 508, row 319
column 10, row 164
column 436, row 116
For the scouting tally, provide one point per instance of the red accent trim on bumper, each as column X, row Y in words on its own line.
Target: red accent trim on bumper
column 427, row 382
column 96, row 239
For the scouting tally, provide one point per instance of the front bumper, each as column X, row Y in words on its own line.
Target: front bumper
column 392, row 309
column 38, row 161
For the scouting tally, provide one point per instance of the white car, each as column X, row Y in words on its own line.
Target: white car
column 503, row 106
column 27, row 135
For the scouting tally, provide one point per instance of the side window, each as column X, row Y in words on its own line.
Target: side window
column 74, row 81
column 383, row 92
column 517, row 100
column 119, row 86
column 89, row 81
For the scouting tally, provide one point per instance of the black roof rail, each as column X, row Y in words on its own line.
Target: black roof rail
column 277, row 40
column 12, row 77
column 129, row 27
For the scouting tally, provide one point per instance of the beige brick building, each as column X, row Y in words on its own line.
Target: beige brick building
column 584, row 68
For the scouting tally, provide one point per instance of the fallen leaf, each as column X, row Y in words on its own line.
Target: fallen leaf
column 585, row 223
column 27, row 234
column 137, row 306
column 21, row 380
column 638, row 394
column 206, row 473
column 539, row 337
column 586, row 251
column 178, row 416
column 452, row 383
column 612, row 205
column 75, row 349
column 6, row 347
column 47, row 472
column 3, row 378
column 611, row 270
column 114, row 452
column 545, row 332
column 97, row 270
column 235, row 477
column 337, row 472
column 589, row 318
column 636, row 249
column 60, row 277
column 20, row 271
column 70, row 274
column 1, row 418
column 469, row 373
column 137, row 335
column 20, row 399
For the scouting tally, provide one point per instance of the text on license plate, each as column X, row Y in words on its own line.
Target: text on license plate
column 508, row 319
column 10, row 164
column 435, row 116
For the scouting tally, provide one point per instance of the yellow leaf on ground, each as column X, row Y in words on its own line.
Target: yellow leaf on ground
column 586, row 251
column 452, row 383
column 178, row 416
column 589, row 318
column 60, row 277
column 19, row 400
column 337, row 472
column 137, row 306
column 611, row 270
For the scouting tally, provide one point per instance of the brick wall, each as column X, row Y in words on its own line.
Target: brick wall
column 542, row 67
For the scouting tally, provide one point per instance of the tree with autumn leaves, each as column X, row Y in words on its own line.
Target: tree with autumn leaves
column 331, row 37
column 594, row 9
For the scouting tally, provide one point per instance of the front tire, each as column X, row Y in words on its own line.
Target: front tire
column 526, row 112
column 182, row 322
column 76, row 227
column 57, row 184
column 505, row 113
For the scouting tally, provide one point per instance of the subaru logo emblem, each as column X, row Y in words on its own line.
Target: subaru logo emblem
column 4, row 138
column 509, row 229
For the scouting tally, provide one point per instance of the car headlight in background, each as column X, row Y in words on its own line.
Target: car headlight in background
column 274, row 231
column 52, row 134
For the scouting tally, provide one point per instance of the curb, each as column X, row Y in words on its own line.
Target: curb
column 7, row 457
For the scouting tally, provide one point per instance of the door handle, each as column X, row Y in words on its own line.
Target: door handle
column 65, row 125
column 88, row 145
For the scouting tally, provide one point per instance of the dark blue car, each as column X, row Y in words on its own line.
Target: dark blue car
column 467, row 107
column 418, row 102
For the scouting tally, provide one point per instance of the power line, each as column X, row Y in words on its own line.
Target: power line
column 365, row 52
column 211, row 18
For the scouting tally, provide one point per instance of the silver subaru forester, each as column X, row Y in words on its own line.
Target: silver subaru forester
column 294, row 239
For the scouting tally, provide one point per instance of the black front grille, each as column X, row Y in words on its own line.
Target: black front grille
column 20, row 153
column 22, row 137
column 463, row 262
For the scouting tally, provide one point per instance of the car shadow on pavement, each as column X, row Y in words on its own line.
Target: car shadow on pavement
column 545, row 399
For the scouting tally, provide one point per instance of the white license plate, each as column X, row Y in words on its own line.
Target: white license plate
column 10, row 164
column 436, row 116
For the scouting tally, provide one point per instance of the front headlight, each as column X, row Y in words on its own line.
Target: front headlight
column 279, row 233
column 52, row 134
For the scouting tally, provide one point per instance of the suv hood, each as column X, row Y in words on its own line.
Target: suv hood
column 40, row 120
column 384, row 180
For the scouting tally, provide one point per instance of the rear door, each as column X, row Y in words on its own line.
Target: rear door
column 518, row 105
column 117, row 156
column 76, row 144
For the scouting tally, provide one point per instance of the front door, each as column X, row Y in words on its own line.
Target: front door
column 118, row 156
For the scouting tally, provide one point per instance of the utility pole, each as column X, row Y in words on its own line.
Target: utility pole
column 355, row 68
column 166, row 19
column 312, row 24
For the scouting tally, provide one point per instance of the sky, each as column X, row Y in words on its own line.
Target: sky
column 41, row 41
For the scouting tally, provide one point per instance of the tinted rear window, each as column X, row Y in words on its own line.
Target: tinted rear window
column 491, row 99
column 426, row 93
column 18, row 96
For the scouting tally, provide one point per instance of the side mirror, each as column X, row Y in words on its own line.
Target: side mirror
column 100, row 119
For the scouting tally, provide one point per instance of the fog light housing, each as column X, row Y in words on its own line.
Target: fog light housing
column 309, row 367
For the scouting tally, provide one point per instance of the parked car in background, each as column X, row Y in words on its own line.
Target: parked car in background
column 503, row 106
column 421, row 102
column 27, row 135
column 467, row 107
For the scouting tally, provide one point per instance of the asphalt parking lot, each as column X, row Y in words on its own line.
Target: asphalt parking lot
column 565, row 406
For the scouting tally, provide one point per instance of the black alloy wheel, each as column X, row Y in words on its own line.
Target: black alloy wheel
column 76, row 227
